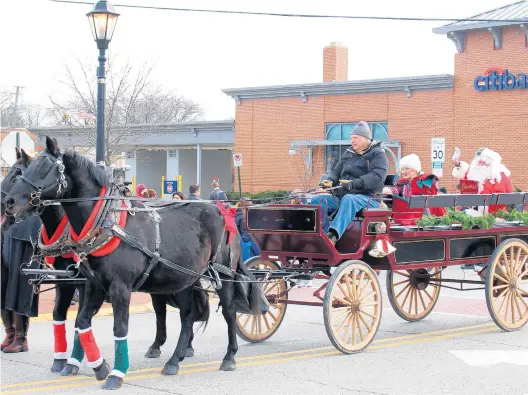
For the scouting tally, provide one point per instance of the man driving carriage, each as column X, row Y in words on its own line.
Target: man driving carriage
column 361, row 172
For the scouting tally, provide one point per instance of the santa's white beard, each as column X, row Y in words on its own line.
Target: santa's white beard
column 480, row 173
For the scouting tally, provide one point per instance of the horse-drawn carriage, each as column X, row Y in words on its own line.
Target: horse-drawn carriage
column 292, row 240
column 121, row 253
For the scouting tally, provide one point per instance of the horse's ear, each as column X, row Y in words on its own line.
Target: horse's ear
column 25, row 157
column 52, row 146
column 18, row 154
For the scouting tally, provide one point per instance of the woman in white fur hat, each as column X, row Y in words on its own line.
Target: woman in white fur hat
column 412, row 182
column 410, row 167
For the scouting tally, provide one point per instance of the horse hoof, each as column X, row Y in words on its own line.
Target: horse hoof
column 102, row 371
column 228, row 366
column 113, row 383
column 58, row 365
column 170, row 370
column 70, row 370
column 153, row 353
column 190, row 352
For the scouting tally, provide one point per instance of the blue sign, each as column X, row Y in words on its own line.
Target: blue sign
column 438, row 165
column 494, row 80
column 169, row 187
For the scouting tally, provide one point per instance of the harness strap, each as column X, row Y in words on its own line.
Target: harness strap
column 224, row 270
column 131, row 240
column 143, row 278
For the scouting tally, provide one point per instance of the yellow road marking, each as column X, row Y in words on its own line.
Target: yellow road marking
column 252, row 357
column 255, row 359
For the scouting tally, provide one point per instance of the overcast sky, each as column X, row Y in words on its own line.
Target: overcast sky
column 200, row 54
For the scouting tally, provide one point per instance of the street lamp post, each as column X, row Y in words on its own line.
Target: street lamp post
column 103, row 20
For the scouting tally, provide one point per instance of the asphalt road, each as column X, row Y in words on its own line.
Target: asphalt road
column 427, row 357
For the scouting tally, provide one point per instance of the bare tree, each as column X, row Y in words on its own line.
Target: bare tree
column 305, row 172
column 131, row 98
column 25, row 116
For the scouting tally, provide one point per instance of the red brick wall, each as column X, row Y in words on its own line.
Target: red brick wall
column 465, row 117
column 497, row 119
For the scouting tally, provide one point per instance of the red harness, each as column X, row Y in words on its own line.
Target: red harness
column 108, row 248
column 50, row 260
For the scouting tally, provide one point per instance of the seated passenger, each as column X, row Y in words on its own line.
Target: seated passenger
column 249, row 247
column 487, row 173
column 412, row 182
column 361, row 172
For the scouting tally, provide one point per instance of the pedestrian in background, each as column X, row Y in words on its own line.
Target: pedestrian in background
column 178, row 196
column 217, row 193
column 194, row 192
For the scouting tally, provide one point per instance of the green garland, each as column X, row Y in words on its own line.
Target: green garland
column 484, row 222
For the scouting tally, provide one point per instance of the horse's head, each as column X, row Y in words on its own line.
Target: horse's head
column 44, row 178
column 23, row 161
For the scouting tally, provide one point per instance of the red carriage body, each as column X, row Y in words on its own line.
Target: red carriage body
column 292, row 240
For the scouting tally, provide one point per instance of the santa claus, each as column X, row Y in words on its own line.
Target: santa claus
column 485, row 175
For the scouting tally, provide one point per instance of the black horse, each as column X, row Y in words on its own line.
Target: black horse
column 188, row 238
column 52, row 218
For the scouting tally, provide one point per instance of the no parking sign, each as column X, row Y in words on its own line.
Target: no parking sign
column 237, row 160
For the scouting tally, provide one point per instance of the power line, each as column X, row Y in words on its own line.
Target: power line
column 293, row 15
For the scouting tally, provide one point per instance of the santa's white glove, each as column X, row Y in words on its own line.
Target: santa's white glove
column 456, row 156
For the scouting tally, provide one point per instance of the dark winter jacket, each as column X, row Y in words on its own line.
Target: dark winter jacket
column 366, row 171
column 217, row 194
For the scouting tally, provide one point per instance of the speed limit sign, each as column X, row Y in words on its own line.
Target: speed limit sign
column 438, row 155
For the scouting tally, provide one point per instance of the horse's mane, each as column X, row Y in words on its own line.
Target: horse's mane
column 96, row 173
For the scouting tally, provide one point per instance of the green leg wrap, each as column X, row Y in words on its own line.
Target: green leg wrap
column 121, row 358
column 77, row 351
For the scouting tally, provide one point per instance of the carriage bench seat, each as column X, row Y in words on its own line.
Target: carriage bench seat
column 372, row 212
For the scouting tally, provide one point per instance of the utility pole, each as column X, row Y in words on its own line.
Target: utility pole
column 17, row 93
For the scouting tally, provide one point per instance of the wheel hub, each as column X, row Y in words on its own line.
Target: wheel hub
column 420, row 279
column 513, row 284
column 354, row 306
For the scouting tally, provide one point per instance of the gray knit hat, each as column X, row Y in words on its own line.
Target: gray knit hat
column 362, row 129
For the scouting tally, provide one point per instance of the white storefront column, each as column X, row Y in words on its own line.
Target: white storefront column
column 130, row 160
column 173, row 164
column 199, row 164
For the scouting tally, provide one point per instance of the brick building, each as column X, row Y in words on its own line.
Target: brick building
column 290, row 135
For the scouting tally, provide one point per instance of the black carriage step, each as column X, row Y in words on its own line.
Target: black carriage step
column 47, row 272
column 58, row 281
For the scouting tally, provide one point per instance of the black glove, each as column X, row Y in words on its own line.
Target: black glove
column 348, row 186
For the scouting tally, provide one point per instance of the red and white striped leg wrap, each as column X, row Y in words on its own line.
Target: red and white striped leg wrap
column 90, row 347
column 61, row 344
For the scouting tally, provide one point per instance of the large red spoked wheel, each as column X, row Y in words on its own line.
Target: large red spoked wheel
column 507, row 285
column 258, row 328
column 413, row 293
column 352, row 306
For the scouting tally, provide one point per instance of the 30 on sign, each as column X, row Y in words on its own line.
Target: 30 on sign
column 438, row 149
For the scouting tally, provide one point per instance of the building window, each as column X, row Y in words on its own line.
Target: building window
column 130, row 155
column 340, row 134
column 173, row 153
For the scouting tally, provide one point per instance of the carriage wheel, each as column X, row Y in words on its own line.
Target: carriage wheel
column 352, row 307
column 507, row 285
column 412, row 294
column 257, row 328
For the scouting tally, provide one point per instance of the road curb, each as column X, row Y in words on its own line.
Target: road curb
column 106, row 312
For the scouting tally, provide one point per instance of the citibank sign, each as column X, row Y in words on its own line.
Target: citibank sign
column 498, row 79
